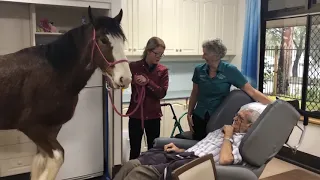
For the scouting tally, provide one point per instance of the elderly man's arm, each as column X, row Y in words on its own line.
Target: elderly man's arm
column 226, row 156
column 172, row 147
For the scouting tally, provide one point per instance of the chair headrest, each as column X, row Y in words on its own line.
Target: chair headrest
column 269, row 133
column 227, row 109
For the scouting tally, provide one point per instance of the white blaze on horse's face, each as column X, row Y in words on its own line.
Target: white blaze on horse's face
column 121, row 71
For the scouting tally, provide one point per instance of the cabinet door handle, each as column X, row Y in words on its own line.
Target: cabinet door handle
column 134, row 49
column 177, row 50
column 129, row 49
column 180, row 50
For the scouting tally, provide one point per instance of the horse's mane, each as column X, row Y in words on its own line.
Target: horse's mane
column 111, row 27
column 63, row 52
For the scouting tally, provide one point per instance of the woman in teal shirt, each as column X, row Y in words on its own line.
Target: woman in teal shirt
column 211, row 84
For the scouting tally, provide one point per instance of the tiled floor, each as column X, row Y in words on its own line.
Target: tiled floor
column 277, row 166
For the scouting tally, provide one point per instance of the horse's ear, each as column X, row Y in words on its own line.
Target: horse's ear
column 119, row 16
column 90, row 16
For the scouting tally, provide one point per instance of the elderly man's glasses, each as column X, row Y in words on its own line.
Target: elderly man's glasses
column 239, row 117
column 158, row 55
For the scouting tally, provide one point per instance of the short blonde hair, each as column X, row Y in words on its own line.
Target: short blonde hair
column 216, row 47
column 153, row 43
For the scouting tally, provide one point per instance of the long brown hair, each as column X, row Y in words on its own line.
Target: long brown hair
column 153, row 43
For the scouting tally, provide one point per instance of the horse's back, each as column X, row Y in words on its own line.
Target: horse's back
column 13, row 72
column 29, row 88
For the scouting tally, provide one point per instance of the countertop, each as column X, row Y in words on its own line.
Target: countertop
column 170, row 95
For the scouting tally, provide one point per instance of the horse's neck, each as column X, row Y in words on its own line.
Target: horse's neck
column 79, row 76
column 72, row 56
column 75, row 81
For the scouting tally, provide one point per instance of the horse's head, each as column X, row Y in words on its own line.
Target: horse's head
column 109, row 53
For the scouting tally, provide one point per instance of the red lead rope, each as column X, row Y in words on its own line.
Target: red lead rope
column 141, row 92
column 138, row 98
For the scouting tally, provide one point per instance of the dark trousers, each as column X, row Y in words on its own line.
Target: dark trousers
column 200, row 126
column 152, row 128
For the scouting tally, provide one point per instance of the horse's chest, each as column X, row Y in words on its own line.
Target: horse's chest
column 58, row 112
column 65, row 110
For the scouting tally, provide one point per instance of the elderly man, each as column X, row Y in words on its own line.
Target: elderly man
column 222, row 143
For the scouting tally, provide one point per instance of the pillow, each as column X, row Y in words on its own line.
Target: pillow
column 257, row 106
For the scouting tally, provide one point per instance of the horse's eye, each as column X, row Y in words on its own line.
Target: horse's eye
column 104, row 41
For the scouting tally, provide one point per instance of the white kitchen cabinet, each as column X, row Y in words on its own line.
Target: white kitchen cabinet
column 63, row 21
column 126, row 24
column 218, row 19
column 228, row 24
column 168, row 24
column 188, row 27
column 15, row 166
column 139, row 24
column 178, row 26
column 144, row 24
column 182, row 24
column 15, row 27
column 209, row 21
column 104, row 4
column 16, row 158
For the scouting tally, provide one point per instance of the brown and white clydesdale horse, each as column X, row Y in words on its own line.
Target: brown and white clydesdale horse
column 39, row 85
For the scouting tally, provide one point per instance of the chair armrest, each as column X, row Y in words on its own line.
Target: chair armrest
column 235, row 173
column 180, row 143
column 204, row 165
column 185, row 135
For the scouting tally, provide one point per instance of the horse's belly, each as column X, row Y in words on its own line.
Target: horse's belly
column 5, row 125
column 9, row 116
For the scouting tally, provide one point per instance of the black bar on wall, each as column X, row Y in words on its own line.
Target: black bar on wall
column 264, row 9
column 306, row 64
column 311, row 2
column 301, row 159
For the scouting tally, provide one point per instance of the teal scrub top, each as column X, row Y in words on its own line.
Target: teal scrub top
column 212, row 91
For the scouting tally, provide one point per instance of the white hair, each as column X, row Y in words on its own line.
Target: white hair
column 253, row 116
column 216, row 47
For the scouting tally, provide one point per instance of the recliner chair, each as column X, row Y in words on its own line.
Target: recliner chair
column 261, row 143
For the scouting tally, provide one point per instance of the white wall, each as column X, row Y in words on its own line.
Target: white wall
column 15, row 27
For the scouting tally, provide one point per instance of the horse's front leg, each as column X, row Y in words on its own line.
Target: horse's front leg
column 54, row 162
column 38, row 165
column 46, row 166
